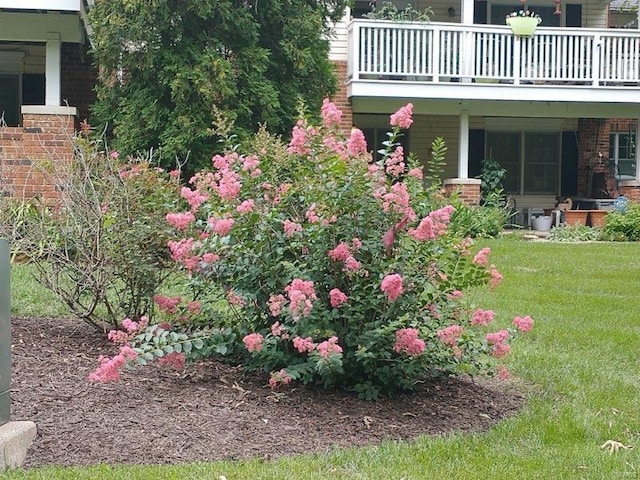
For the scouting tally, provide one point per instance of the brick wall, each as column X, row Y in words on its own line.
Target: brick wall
column 340, row 98
column 78, row 78
column 27, row 151
column 467, row 189
column 631, row 192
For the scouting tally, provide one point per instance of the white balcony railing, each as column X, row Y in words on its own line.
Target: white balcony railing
column 438, row 52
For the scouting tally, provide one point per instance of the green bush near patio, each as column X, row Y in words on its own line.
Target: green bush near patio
column 579, row 368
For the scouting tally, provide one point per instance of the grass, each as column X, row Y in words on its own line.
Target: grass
column 580, row 365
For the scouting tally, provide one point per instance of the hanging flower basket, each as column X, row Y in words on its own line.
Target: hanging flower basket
column 523, row 26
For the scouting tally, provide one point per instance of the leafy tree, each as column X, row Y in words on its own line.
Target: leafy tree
column 170, row 69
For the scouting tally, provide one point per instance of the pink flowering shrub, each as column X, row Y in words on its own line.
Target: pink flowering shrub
column 333, row 268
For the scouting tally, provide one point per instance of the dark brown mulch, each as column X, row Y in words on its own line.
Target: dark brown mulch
column 209, row 411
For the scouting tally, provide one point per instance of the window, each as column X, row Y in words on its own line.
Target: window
column 375, row 137
column 532, row 160
column 622, row 153
column 10, row 99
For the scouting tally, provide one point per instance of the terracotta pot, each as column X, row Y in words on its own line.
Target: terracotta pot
column 597, row 218
column 575, row 217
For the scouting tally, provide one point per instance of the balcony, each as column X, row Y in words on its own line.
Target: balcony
column 595, row 71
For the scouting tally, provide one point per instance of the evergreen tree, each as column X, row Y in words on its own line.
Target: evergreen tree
column 169, row 68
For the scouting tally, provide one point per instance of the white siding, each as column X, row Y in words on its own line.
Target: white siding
column 338, row 39
column 594, row 15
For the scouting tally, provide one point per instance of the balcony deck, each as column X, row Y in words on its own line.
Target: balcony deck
column 585, row 69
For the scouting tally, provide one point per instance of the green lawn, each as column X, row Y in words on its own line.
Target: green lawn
column 581, row 365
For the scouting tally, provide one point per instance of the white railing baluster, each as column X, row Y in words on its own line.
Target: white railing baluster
column 426, row 52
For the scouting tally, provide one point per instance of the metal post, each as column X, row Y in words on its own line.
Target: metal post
column 5, row 332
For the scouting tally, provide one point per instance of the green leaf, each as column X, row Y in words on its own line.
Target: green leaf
column 198, row 343
column 158, row 353
column 187, row 346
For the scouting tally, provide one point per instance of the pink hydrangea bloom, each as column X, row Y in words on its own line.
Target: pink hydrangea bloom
column 524, row 324
column 303, row 345
column 235, row 299
column 500, row 350
column 180, row 220
column 331, row 114
column 221, row 162
column 328, row 347
column 397, row 200
column 118, row 336
column 455, row 294
column 277, row 329
column 482, row 257
column 253, row 342
column 416, row 173
column 433, row 225
column 340, row 253
column 193, row 197
column 250, row 163
column 229, row 186
column 311, row 215
column 275, row 304
column 402, row 118
column 130, row 325
column 221, row 226
column 210, row 257
column 335, row 145
column 337, row 297
column 357, row 144
column 246, row 206
column 389, row 238
column 109, row 369
column 301, row 297
column 395, row 163
column 482, row 317
column 450, row 334
column 297, row 145
column 356, row 243
column 392, row 286
column 181, row 249
column 496, row 277
column 291, row 228
column 497, row 337
column 351, row 264
column 407, row 341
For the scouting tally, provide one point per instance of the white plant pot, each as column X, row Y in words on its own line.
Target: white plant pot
column 542, row 223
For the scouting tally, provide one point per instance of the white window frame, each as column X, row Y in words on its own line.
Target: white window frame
column 615, row 137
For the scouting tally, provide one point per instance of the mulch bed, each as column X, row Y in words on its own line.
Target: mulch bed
column 210, row 411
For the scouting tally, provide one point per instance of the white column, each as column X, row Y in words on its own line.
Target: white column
column 463, row 145
column 52, row 70
column 467, row 44
column 466, row 15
